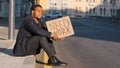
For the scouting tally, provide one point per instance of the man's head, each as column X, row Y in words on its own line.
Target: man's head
column 36, row 11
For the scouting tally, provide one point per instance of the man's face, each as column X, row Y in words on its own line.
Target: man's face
column 37, row 12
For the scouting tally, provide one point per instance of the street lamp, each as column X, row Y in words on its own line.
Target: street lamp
column 11, row 30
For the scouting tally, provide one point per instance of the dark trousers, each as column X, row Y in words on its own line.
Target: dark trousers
column 35, row 43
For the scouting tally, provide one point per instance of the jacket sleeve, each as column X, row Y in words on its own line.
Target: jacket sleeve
column 31, row 26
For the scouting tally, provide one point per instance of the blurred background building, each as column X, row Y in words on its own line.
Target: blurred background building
column 22, row 7
column 61, row 6
column 4, row 8
column 79, row 8
column 102, row 8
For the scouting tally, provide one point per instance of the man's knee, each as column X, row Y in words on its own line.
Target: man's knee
column 36, row 37
column 40, row 38
column 43, row 38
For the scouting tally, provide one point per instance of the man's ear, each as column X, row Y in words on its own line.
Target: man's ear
column 32, row 12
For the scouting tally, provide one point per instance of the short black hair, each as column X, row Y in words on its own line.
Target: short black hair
column 34, row 6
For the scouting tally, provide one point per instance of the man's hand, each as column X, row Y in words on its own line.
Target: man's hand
column 55, row 36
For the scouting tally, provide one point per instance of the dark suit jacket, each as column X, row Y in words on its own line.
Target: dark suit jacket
column 27, row 30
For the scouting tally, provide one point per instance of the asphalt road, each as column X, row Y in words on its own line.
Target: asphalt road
column 97, row 29
column 95, row 45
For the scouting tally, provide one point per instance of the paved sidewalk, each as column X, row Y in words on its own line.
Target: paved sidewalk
column 7, row 60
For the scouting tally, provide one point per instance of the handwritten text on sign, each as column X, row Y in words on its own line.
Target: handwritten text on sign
column 61, row 26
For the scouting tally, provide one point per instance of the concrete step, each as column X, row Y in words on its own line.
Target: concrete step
column 7, row 60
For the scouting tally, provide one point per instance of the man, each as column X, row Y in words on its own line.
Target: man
column 32, row 36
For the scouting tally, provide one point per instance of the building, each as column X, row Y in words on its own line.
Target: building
column 18, row 8
column 43, row 3
column 4, row 8
column 22, row 8
column 102, row 8
column 25, row 6
column 57, row 6
column 118, row 9
column 118, row 4
column 84, row 8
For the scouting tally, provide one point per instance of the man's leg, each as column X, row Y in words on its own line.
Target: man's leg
column 33, row 45
column 47, row 47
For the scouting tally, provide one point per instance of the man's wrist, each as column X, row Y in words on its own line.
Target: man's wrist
column 52, row 34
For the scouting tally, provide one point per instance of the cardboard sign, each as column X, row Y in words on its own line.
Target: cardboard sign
column 61, row 26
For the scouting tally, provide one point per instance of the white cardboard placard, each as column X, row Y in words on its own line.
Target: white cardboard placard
column 61, row 26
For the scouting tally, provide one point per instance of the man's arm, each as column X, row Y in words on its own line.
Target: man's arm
column 31, row 26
